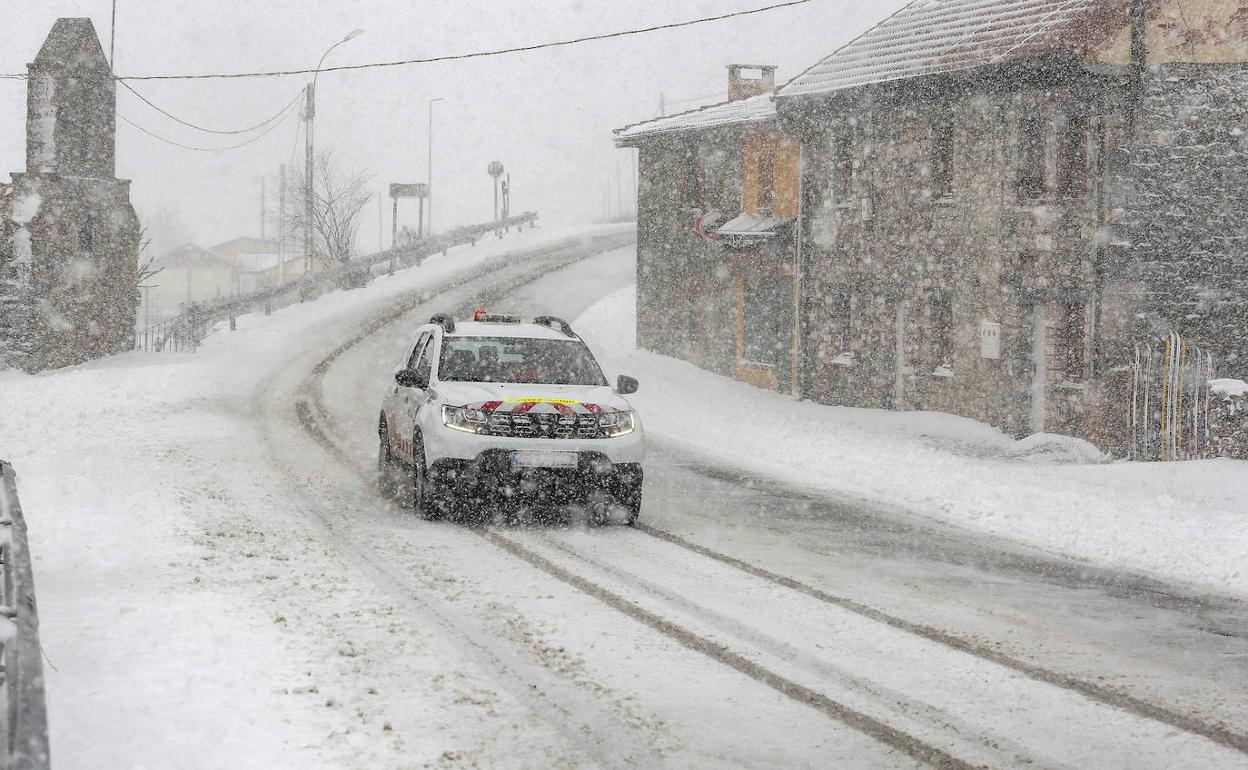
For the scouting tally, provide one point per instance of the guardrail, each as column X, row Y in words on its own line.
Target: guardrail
column 25, row 736
column 184, row 332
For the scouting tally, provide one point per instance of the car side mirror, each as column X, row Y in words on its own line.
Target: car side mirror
column 410, row 378
column 625, row 385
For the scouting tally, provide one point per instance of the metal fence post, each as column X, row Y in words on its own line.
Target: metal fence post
column 26, row 732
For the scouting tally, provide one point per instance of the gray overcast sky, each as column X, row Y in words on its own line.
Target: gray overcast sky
column 547, row 115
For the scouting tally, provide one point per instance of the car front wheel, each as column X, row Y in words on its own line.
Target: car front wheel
column 423, row 502
column 386, row 486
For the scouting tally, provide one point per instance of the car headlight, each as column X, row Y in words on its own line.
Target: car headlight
column 464, row 419
column 612, row 424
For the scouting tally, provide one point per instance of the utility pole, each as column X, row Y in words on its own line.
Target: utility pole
column 394, row 224
column 309, row 111
column 263, row 213
column 112, row 38
column 281, row 227
column 309, row 114
column 381, row 222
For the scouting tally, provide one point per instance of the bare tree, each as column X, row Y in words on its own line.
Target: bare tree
column 338, row 198
column 147, row 268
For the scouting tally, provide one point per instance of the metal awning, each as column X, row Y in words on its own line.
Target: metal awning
column 749, row 227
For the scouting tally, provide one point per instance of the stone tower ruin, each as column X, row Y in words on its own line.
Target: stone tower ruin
column 69, row 238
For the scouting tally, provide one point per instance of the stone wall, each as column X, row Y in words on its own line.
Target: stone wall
column 70, row 271
column 912, row 257
column 1184, row 198
column 1228, row 419
column 686, row 298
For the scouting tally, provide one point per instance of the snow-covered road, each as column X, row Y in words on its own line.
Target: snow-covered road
column 230, row 592
column 922, row 691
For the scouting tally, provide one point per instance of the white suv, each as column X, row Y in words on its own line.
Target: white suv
column 496, row 414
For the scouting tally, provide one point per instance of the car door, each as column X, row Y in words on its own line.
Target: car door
column 401, row 418
column 410, row 399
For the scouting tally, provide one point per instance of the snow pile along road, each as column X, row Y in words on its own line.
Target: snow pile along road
column 1178, row 521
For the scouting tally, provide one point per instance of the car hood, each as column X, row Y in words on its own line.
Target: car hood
column 508, row 396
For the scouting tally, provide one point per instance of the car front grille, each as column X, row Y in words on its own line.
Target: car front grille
column 542, row 425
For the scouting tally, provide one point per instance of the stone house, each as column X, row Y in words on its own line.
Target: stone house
column 716, row 231
column 69, row 238
column 995, row 212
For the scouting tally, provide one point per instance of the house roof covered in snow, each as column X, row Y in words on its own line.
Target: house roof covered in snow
column 245, row 244
column 191, row 256
column 929, row 37
column 755, row 109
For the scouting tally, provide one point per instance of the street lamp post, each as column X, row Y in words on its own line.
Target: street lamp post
column 429, row 168
column 309, row 115
column 495, row 170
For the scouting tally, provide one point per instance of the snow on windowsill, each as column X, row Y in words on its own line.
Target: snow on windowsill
column 1071, row 385
column 943, row 372
column 844, row 359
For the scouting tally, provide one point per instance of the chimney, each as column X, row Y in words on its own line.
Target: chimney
column 1139, row 58
column 746, row 80
column 1139, row 36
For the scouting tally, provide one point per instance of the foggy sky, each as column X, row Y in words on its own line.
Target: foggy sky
column 547, row 115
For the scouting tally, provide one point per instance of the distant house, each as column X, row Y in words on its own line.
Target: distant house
column 186, row 274
column 1000, row 202
column 259, row 264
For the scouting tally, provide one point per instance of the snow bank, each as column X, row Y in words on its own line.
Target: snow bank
column 1180, row 521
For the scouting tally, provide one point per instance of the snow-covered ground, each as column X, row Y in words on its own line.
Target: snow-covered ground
column 189, row 616
column 1185, row 522
column 216, row 591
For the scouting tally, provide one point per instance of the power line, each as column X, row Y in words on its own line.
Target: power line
column 171, row 116
column 252, row 140
column 475, row 54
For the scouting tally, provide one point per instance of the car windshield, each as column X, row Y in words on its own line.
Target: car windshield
column 511, row 359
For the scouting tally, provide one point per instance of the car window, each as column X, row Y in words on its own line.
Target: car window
column 417, row 349
column 510, row 359
column 424, row 362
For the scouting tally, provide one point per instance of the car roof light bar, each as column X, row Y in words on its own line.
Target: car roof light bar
column 495, row 318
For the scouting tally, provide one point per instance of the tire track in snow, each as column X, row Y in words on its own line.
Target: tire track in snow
column 1004, row 752
column 1097, row 692
column 583, row 721
column 860, row 721
column 312, row 415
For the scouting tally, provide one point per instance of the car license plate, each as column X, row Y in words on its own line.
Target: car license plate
column 530, row 459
